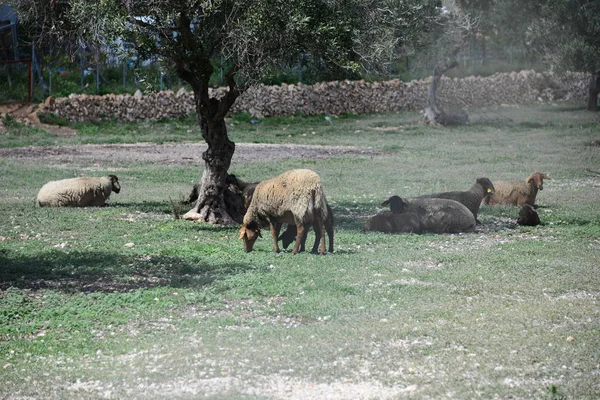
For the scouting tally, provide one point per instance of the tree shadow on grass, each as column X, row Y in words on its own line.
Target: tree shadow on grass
column 352, row 215
column 94, row 271
column 157, row 207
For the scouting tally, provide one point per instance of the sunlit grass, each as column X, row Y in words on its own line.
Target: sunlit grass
column 126, row 298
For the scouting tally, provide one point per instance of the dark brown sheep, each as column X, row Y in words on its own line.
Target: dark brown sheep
column 472, row 198
column 388, row 222
column 528, row 216
column 434, row 215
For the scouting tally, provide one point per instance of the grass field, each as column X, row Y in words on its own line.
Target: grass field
column 127, row 302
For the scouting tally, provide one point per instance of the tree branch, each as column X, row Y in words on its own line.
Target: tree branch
column 234, row 92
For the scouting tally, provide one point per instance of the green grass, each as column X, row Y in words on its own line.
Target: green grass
column 125, row 301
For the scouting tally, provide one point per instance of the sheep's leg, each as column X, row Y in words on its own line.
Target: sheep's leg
column 317, row 238
column 303, row 243
column 275, row 228
column 322, row 249
column 319, row 228
column 300, row 234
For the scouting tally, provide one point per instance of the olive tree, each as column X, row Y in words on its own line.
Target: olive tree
column 567, row 33
column 252, row 36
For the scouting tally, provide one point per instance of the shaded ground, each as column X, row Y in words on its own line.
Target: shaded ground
column 178, row 154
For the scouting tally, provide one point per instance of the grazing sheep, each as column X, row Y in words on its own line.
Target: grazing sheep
column 517, row 193
column 471, row 198
column 289, row 235
column 78, row 192
column 389, row 222
column 294, row 197
column 528, row 216
column 434, row 215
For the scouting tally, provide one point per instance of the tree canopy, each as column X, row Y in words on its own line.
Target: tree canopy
column 568, row 34
column 252, row 36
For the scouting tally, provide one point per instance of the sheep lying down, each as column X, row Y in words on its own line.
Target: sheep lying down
column 517, row 193
column 78, row 192
column 422, row 215
column 471, row 198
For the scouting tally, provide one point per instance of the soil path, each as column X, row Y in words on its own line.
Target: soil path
column 174, row 153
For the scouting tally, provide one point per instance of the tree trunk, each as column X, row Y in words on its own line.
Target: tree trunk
column 434, row 114
column 216, row 203
column 593, row 91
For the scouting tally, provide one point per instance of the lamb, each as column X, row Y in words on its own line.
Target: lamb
column 433, row 214
column 528, row 216
column 471, row 198
column 517, row 193
column 78, row 192
column 294, row 197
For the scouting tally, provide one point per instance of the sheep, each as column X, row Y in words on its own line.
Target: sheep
column 517, row 193
column 289, row 235
column 528, row 216
column 433, row 214
column 471, row 198
column 78, row 192
column 389, row 222
column 294, row 197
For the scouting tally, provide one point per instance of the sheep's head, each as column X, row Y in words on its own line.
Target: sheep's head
column 396, row 204
column 528, row 216
column 115, row 183
column 487, row 185
column 249, row 233
column 538, row 180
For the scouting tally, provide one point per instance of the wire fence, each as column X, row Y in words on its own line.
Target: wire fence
column 104, row 72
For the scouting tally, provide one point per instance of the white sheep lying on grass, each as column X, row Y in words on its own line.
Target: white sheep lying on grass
column 294, row 197
column 78, row 192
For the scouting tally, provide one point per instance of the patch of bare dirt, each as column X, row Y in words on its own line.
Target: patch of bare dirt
column 27, row 113
column 175, row 154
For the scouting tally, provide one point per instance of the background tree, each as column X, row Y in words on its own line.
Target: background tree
column 501, row 23
column 452, row 30
column 567, row 33
column 253, row 37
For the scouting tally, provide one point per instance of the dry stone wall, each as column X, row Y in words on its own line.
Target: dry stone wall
column 334, row 98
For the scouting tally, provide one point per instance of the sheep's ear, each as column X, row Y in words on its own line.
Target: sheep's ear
column 242, row 232
column 258, row 233
column 386, row 203
column 546, row 176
